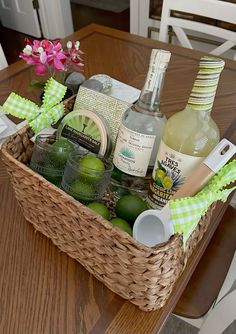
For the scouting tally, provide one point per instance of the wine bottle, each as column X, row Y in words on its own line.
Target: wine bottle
column 188, row 137
column 142, row 125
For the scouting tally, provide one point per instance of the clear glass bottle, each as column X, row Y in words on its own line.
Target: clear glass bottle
column 188, row 137
column 142, row 124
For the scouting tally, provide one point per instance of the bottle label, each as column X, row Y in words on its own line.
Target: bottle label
column 133, row 151
column 169, row 174
column 151, row 75
column 81, row 138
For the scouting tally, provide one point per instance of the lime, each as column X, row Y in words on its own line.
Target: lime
column 167, row 182
column 128, row 207
column 91, row 168
column 100, row 208
column 55, row 179
column 61, row 149
column 81, row 191
column 122, row 224
column 63, row 143
column 160, row 174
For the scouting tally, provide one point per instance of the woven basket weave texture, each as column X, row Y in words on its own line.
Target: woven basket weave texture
column 144, row 276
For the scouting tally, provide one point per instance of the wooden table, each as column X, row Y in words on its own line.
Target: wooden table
column 43, row 290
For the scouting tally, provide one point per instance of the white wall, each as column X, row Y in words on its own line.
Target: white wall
column 56, row 18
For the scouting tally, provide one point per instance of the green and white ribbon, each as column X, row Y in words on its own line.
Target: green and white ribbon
column 205, row 85
column 38, row 117
column 186, row 212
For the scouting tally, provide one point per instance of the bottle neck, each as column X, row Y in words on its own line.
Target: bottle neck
column 149, row 99
column 204, row 89
column 201, row 114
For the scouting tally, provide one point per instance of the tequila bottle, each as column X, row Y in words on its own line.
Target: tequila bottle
column 142, row 125
column 188, row 137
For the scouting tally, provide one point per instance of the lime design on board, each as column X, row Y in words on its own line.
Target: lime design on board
column 87, row 129
column 86, row 125
column 126, row 152
column 167, row 179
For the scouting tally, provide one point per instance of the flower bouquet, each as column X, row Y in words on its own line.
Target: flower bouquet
column 51, row 60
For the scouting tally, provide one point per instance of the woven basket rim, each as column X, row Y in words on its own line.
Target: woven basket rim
column 116, row 232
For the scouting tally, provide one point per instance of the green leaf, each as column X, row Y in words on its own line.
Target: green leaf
column 160, row 166
column 35, row 84
column 158, row 182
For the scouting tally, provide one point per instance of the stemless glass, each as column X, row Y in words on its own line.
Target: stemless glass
column 86, row 183
column 49, row 160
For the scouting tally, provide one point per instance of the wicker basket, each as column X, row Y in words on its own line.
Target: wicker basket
column 145, row 276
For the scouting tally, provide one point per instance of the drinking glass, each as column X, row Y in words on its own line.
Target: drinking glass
column 49, row 160
column 86, row 183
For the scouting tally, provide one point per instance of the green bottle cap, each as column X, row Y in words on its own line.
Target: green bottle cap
column 204, row 88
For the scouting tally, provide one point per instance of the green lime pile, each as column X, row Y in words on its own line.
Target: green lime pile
column 103, row 211
column 127, row 209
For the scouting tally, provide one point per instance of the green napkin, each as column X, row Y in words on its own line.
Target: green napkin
column 38, row 117
column 186, row 212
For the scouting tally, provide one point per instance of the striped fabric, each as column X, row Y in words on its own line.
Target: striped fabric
column 38, row 117
column 186, row 212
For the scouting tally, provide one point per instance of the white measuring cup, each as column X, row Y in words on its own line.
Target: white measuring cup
column 154, row 226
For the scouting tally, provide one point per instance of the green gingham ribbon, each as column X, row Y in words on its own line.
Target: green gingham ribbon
column 38, row 117
column 204, row 88
column 186, row 212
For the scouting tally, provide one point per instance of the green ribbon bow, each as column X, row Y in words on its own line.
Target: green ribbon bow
column 38, row 117
column 186, row 212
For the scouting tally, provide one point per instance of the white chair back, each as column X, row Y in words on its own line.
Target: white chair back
column 224, row 311
column 3, row 61
column 214, row 9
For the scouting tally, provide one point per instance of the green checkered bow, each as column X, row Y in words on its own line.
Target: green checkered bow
column 38, row 117
column 186, row 212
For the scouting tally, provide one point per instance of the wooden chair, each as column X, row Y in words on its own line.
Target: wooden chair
column 3, row 61
column 213, row 9
column 209, row 300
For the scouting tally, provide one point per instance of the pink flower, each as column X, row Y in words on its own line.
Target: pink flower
column 49, row 57
column 40, row 69
column 74, row 52
column 56, row 56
